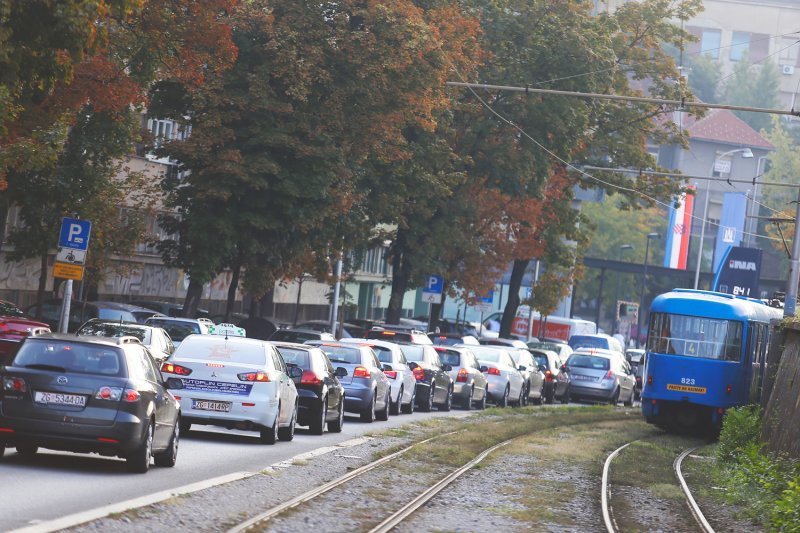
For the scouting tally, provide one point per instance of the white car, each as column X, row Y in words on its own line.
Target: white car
column 234, row 382
column 395, row 366
column 506, row 384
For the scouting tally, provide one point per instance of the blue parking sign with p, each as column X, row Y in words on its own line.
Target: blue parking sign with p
column 75, row 233
column 435, row 284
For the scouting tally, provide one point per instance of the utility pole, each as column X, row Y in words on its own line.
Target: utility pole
column 790, row 301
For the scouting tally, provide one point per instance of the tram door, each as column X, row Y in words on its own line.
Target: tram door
column 756, row 357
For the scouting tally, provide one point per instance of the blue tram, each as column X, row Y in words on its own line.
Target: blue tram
column 706, row 352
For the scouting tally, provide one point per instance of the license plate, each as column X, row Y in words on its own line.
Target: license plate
column 57, row 398
column 583, row 378
column 207, row 405
column 686, row 388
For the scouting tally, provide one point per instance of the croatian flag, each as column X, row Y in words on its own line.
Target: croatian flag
column 679, row 231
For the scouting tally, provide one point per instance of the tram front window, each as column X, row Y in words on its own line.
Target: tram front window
column 695, row 336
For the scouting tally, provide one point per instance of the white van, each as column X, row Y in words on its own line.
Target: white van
column 550, row 328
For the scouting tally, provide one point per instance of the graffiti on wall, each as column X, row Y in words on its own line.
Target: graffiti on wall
column 23, row 276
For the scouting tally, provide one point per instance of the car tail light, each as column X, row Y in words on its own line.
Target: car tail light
column 254, row 376
column 172, row 368
column 109, row 441
column 109, row 393
column 131, row 396
column 462, row 375
column 493, row 371
column 728, row 389
column 14, row 385
column 6, row 430
column 548, row 376
column 309, row 378
column 720, row 411
column 361, row 372
column 609, row 375
column 649, row 380
column 391, row 373
column 419, row 373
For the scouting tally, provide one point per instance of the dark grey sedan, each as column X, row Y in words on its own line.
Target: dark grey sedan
column 470, row 385
column 89, row 395
column 434, row 384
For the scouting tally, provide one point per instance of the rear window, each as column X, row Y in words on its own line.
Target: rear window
column 413, row 352
column 450, row 357
column 61, row 356
column 295, row 356
column 105, row 329
column 441, row 340
column 231, row 350
column 541, row 359
column 342, row 354
column 384, row 354
column 394, row 336
column 487, row 354
column 299, row 337
column 588, row 361
column 586, row 341
column 178, row 330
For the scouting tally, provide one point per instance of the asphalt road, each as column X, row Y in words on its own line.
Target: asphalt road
column 53, row 484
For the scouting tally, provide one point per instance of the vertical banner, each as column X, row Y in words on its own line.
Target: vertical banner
column 680, row 227
column 731, row 226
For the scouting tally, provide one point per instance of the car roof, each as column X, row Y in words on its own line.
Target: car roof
column 376, row 342
column 86, row 339
column 177, row 319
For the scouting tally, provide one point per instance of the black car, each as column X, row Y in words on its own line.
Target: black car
column 434, row 383
column 319, row 392
column 168, row 308
column 88, row 395
column 80, row 312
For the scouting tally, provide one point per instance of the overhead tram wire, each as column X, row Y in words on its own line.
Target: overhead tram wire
column 471, row 87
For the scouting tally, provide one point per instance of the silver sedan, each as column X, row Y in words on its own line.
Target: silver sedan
column 506, row 384
column 470, row 386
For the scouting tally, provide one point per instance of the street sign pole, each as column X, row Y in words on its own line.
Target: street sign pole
column 73, row 244
column 63, row 323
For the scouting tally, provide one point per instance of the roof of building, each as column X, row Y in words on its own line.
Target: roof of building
column 722, row 126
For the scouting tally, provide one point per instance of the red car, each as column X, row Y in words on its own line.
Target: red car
column 14, row 327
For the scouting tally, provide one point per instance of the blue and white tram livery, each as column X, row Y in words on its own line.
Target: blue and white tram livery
column 706, row 353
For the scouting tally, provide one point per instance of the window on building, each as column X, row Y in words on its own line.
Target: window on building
column 740, row 45
column 759, row 46
column 787, row 54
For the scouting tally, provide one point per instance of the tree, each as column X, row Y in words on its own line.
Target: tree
column 753, row 85
column 704, row 77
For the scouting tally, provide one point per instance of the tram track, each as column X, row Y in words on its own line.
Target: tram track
column 608, row 517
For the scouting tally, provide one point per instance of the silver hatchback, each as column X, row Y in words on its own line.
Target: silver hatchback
column 470, row 386
column 597, row 376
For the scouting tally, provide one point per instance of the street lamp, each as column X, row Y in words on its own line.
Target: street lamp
column 746, row 153
column 644, row 284
column 622, row 248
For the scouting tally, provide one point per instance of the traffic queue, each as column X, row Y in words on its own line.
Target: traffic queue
column 105, row 389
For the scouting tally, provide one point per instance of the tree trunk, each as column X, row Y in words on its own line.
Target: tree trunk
column 400, row 275
column 510, row 311
column 192, row 301
column 42, row 286
column 237, row 268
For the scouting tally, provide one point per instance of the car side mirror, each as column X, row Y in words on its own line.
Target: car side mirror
column 412, row 365
column 174, row 383
column 386, row 367
column 340, row 372
column 543, row 368
column 564, row 367
column 522, row 368
column 484, row 368
column 295, row 372
column 447, row 368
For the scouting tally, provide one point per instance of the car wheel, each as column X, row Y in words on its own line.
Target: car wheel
column 468, row 403
column 396, row 405
column 482, row 403
column 409, row 407
column 383, row 414
column 448, row 402
column 503, row 402
column 629, row 401
column 2, row 449
column 523, row 401
column 550, row 397
column 139, row 460
column 27, row 450
column 169, row 456
column 286, row 434
column 615, row 399
column 565, row 398
column 185, row 427
column 270, row 435
column 317, row 425
column 368, row 415
column 335, row 426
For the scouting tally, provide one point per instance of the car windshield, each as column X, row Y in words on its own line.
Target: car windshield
column 295, row 356
column 64, row 356
column 695, row 336
column 586, row 341
column 228, row 349
column 177, row 329
column 115, row 314
column 342, row 354
column 113, row 329
column 9, row 309
column 588, row 361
